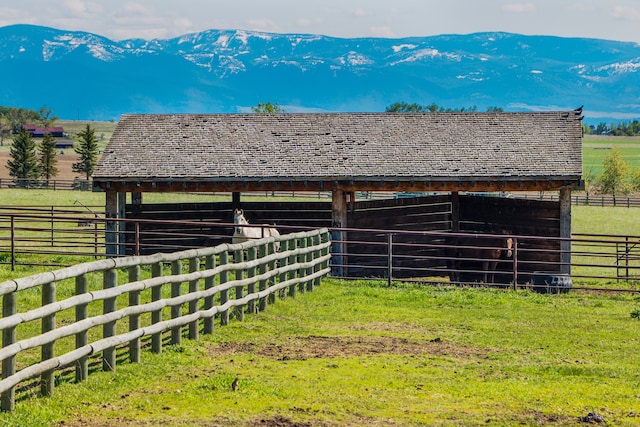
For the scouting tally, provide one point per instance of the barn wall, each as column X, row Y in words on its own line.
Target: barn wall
column 519, row 217
column 187, row 233
column 414, row 255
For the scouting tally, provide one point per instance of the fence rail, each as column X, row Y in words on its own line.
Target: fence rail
column 260, row 273
column 609, row 261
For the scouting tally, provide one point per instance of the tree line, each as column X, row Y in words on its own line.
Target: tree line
column 631, row 128
column 32, row 163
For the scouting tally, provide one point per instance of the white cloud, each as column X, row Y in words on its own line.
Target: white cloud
column 82, row 8
column 519, row 7
column 359, row 12
column 183, row 25
column 264, row 24
column 582, row 8
column 626, row 13
column 382, row 31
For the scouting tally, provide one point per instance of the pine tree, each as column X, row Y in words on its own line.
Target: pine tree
column 47, row 159
column 88, row 151
column 24, row 164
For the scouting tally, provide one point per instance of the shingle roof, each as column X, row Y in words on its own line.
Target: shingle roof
column 295, row 146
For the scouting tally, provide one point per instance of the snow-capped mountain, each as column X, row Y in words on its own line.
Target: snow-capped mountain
column 86, row 76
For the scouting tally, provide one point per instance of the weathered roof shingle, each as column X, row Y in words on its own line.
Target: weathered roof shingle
column 296, row 146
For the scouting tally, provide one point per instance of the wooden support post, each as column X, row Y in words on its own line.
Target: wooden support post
column 134, row 319
column 111, row 227
column 235, row 200
column 136, row 198
column 455, row 212
column 82, row 312
column 121, row 225
column 109, row 329
column 565, row 230
column 338, row 221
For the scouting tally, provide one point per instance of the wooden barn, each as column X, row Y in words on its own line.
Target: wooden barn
column 452, row 160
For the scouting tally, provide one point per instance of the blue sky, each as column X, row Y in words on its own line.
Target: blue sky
column 147, row 19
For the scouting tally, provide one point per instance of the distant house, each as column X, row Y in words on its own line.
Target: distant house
column 39, row 132
column 64, row 143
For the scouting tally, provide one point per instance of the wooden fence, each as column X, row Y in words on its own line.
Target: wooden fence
column 102, row 315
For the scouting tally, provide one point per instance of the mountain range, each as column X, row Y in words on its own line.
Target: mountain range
column 80, row 75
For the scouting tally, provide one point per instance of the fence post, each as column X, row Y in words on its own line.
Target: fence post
column 8, row 338
column 52, row 224
column 109, row 329
column 325, row 239
column 302, row 244
column 134, row 319
column 238, row 256
column 515, row 263
column 194, row 265
column 287, row 245
column 82, row 312
column 210, row 263
column 316, row 254
column 176, row 310
column 311, row 241
column 262, row 269
column 224, row 294
column 13, row 243
column 272, row 266
column 251, row 272
column 156, row 316
column 389, row 259
column 48, row 350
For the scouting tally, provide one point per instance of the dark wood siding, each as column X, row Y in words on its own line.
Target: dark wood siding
column 414, row 255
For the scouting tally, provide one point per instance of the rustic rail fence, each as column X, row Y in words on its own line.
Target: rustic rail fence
column 102, row 314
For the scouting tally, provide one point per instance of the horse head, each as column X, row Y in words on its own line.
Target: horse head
column 509, row 243
column 239, row 219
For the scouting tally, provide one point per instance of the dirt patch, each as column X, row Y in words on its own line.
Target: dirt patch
column 303, row 348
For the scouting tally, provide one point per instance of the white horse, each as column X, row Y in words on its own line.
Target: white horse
column 242, row 234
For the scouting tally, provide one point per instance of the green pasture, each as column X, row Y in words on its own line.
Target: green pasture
column 596, row 148
column 363, row 354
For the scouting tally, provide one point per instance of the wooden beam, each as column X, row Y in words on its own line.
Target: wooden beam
column 414, row 185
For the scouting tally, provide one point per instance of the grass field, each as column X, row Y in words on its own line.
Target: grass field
column 363, row 354
column 596, row 148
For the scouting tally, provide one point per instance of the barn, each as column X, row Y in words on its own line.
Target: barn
column 444, row 162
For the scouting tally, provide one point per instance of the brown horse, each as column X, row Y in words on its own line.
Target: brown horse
column 479, row 249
